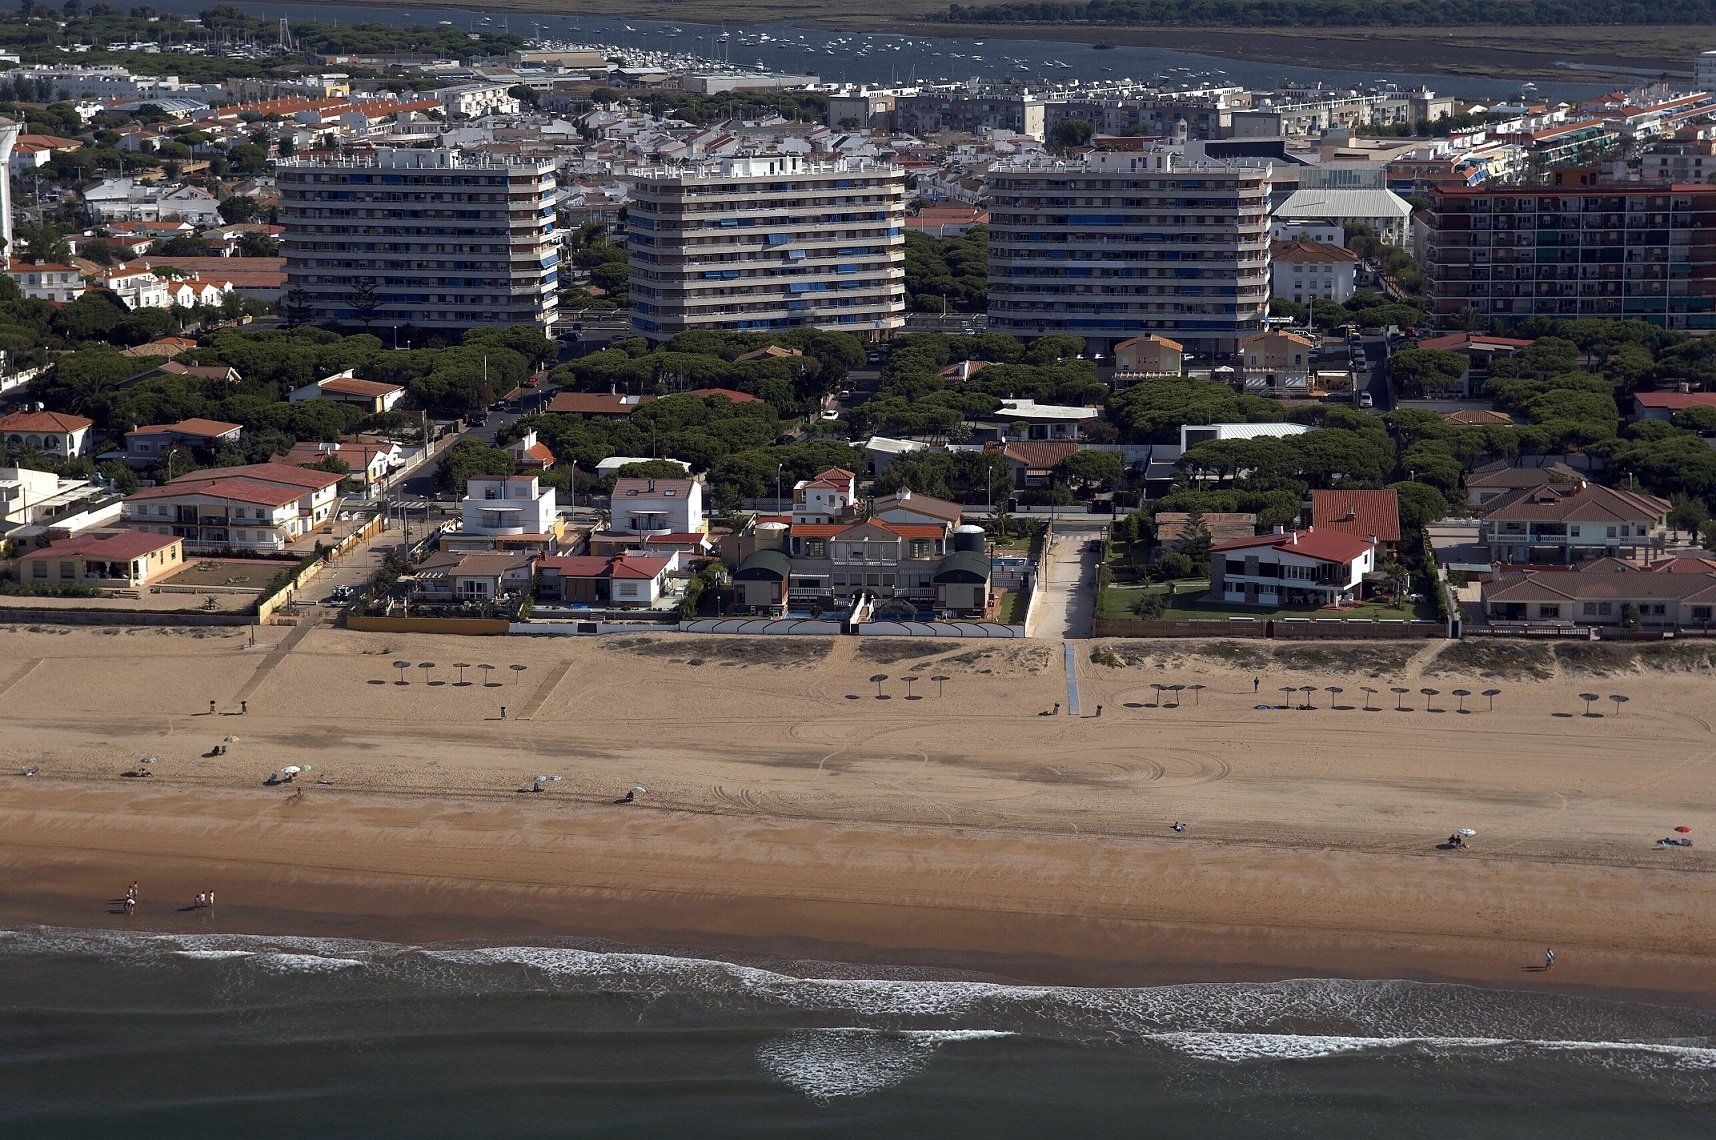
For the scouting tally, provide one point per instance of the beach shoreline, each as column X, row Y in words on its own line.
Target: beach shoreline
column 792, row 815
column 421, row 888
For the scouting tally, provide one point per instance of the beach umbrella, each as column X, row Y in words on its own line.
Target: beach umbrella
column 940, row 679
column 639, row 790
column 1588, row 698
column 878, row 679
column 1492, row 694
column 1462, row 694
column 1368, row 694
column 1619, row 701
column 461, row 667
column 544, row 779
column 1466, row 831
column 1399, row 692
column 1196, row 689
column 290, row 770
column 1684, row 830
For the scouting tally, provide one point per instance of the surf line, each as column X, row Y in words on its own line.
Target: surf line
column 1070, row 656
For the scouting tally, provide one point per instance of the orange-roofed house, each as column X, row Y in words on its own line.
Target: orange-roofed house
column 1148, row 355
column 147, row 444
column 1309, row 568
column 46, row 281
column 56, row 433
column 372, row 395
column 1370, row 515
column 124, row 559
column 909, row 567
column 530, row 452
column 623, row 581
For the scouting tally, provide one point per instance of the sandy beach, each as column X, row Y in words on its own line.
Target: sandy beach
column 792, row 814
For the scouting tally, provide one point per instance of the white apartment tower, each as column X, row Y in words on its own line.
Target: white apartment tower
column 1122, row 244
column 435, row 239
column 764, row 243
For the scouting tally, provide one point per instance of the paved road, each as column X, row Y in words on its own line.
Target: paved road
column 1069, row 598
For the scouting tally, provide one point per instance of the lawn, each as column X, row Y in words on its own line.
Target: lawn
column 1014, row 603
column 1188, row 604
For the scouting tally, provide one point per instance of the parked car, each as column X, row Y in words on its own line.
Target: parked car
column 1366, row 401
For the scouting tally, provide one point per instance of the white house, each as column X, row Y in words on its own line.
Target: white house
column 45, row 281
column 58, row 434
column 651, row 506
column 348, row 389
column 1193, row 434
column 1047, row 421
column 500, row 505
column 1306, row 271
column 1310, row 568
column 137, row 286
column 262, row 506
column 473, row 100
column 826, row 498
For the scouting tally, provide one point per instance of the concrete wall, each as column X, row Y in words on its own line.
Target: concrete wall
column 9, row 615
column 465, row 626
column 1332, row 629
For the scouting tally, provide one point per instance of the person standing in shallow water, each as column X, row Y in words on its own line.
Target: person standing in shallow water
column 1548, row 959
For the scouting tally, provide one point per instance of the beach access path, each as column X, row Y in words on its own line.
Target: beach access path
column 1068, row 584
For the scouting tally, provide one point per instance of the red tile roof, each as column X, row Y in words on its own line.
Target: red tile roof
column 193, row 426
column 914, row 530
column 350, row 386
column 240, row 490
column 44, row 421
column 1040, row 454
column 1362, row 514
column 641, row 567
column 1322, row 546
column 818, row 530
column 272, row 472
column 1675, row 401
column 840, row 473
column 124, row 546
column 596, row 404
column 736, row 397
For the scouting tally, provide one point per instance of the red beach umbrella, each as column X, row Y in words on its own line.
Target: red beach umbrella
column 1684, row 830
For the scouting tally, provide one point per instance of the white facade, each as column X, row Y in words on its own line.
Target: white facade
column 474, row 100
column 768, row 243
column 507, row 505
column 42, row 281
column 447, row 240
column 1289, row 573
column 1164, row 241
column 1305, row 271
column 647, row 506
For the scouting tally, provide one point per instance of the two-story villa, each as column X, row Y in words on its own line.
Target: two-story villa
column 1307, row 567
column 1572, row 522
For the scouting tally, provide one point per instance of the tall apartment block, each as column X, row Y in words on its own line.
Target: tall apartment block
column 1165, row 241
column 435, row 239
column 1630, row 251
column 766, row 243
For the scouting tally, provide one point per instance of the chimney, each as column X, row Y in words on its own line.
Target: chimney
column 1277, row 529
column 1295, row 538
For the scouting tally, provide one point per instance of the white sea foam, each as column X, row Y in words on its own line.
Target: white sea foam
column 213, row 955
column 830, row 1064
column 304, row 963
column 1244, row 1047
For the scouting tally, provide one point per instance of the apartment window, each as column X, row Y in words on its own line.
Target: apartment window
column 1613, row 532
column 1700, row 613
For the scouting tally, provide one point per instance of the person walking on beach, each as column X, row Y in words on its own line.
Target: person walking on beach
column 1256, row 683
column 130, row 903
column 202, row 900
column 1548, row 959
column 131, row 892
column 209, row 895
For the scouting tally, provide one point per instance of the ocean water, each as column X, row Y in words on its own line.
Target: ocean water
column 137, row 1035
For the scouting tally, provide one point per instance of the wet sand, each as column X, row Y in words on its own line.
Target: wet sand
column 792, row 814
